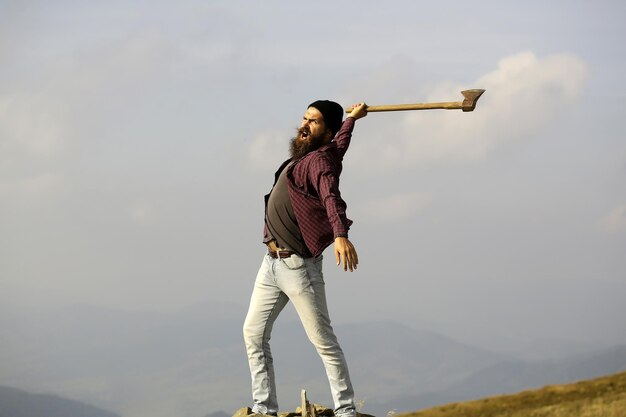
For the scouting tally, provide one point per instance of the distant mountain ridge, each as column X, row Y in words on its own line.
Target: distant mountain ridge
column 193, row 362
column 512, row 376
column 19, row 403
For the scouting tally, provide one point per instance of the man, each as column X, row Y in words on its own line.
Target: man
column 304, row 214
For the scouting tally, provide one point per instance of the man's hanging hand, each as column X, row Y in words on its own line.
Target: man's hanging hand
column 345, row 249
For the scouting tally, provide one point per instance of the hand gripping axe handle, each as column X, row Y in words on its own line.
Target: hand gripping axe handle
column 468, row 104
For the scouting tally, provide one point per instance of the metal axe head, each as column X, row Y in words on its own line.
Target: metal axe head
column 471, row 97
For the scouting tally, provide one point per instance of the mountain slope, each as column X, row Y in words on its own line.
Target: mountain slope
column 193, row 362
column 604, row 396
column 512, row 376
column 19, row 403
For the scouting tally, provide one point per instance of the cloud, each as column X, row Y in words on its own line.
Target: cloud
column 523, row 94
column 69, row 100
column 40, row 184
column 34, row 186
column 141, row 213
column 267, row 148
column 615, row 221
column 394, row 208
column 30, row 123
column 33, row 132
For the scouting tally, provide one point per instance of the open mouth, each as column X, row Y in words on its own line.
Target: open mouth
column 304, row 133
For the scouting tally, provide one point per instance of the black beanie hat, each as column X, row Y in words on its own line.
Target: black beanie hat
column 332, row 112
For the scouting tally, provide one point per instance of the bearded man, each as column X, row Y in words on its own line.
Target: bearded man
column 304, row 214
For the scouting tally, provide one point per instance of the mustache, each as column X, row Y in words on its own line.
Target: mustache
column 298, row 148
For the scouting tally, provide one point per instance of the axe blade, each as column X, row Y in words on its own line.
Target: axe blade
column 471, row 97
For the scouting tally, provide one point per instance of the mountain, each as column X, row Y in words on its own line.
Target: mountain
column 389, row 359
column 19, row 403
column 192, row 362
column 512, row 376
column 599, row 397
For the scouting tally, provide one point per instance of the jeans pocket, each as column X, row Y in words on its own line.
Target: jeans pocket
column 293, row 262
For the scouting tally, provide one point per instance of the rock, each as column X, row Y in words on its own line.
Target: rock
column 247, row 412
column 320, row 410
column 243, row 412
column 316, row 410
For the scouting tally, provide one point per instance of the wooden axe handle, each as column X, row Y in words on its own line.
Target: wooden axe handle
column 416, row 106
column 471, row 97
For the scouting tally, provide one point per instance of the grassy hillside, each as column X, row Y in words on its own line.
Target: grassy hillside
column 601, row 397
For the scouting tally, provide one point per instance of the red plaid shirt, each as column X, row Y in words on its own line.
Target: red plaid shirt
column 313, row 183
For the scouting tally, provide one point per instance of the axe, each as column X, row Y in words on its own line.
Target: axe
column 468, row 104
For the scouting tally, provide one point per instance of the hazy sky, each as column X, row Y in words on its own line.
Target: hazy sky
column 137, row 139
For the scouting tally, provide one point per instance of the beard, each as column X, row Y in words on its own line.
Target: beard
column 299, row 146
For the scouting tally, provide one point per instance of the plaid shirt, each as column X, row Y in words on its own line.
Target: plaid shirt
column 313, row 183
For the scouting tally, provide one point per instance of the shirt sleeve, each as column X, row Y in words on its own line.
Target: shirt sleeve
column 325, row 176
column 343, row 137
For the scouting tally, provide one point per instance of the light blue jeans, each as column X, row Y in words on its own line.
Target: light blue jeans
column 301, row 281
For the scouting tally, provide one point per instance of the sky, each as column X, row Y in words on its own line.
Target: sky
column 137, row 140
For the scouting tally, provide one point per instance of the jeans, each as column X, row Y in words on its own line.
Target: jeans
column 301, row 281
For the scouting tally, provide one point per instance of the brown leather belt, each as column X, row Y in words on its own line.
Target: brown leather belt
column 281, row 254
column 276, row 252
